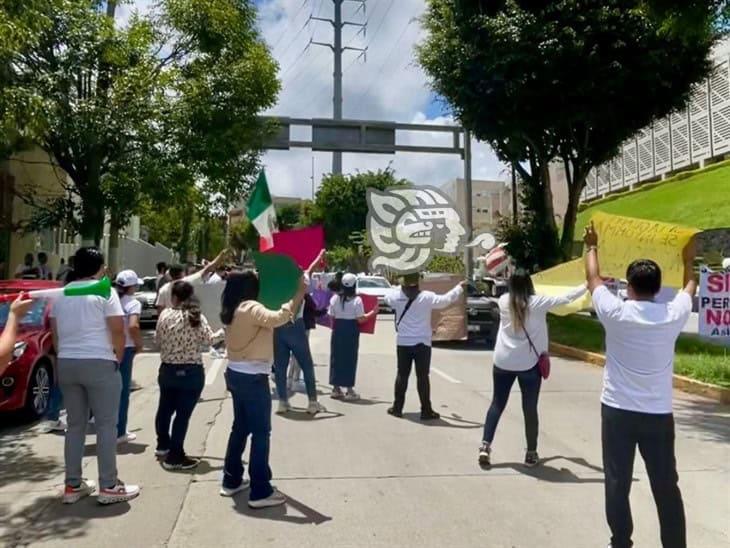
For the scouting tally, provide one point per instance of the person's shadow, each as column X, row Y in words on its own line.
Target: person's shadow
column 543, row 472
column 307, row 515
column 451, row 421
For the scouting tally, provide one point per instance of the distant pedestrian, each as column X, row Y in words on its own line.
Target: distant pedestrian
column 413, row 309
column 182, row 330
column 89, row 337
column 311, row 313
column 194, row 277
column 249, row 338
column 521, row 339
column 28, row 270
column 162, row 276
column 347, row 312
column 128, row 283
column 44, row 271
column 636, row 403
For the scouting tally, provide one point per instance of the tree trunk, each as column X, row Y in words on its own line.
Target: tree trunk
column 114, row 230
column 92, row 220
column 183, row 246
column 571, row 215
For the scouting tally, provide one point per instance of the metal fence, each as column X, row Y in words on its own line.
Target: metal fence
column 699, row 133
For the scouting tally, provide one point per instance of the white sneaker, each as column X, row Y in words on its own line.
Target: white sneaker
column 129, row 436
column 75, row 494
column 161, row 452
column 53, row 426
column 283, row 407
column 226, row 492
column 315, row 407
column 274, row 499
column 352, row 396
column 118, row 493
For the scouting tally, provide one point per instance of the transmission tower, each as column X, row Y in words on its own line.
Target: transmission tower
column 337, row 48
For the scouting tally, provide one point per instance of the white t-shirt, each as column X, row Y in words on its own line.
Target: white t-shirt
column 640, row 339
column 352, row 310
column 131, row 307
column 214, row 279
column 81, row 324
column 415, row 327
column 512, row 350
column 164, row 296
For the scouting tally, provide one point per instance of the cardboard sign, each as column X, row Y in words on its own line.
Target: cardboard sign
column 448, row 324
column 560, row 280
column 714, row 304
column 209, row 296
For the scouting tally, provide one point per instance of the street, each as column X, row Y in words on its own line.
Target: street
column 357, row 477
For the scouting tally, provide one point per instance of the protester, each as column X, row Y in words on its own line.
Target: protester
column 413, row 309
column 249, row 338
column 521, row 339
column 347, row 313
column 18, row 308
column 162, row 277
column 291, row 340
column 128, row 283
column 176, row 273
column 44, row 271
column 182, row 330
column 311, row 313
column 27, row 270
column 88, row 334
column 64, row 269
column 636, row 402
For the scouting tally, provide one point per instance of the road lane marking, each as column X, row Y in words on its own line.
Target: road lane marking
column 213, row 371
column 445, row 376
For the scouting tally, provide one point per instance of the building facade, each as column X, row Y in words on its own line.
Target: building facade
column 490, row 201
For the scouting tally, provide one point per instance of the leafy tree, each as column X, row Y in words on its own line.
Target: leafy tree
column 567, row 79
column 445, row 264
column 340, row 204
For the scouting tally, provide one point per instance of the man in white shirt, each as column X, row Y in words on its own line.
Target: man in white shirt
column 176, row 273
column 413, row 309
column 637, row 390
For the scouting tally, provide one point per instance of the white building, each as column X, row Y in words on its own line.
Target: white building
column 490, row 200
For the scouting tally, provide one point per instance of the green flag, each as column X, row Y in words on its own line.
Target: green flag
column 260, row 211
column 278, row 279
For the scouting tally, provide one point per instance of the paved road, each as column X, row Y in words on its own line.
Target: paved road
column 356, row 477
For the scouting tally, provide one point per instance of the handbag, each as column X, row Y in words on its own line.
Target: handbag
column 543, row 360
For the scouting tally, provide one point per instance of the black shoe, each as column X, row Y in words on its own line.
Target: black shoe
column 531, row 459
column 395, row 412
column 186, row 463
column 429, row 415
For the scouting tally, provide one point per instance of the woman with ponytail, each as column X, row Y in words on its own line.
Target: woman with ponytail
column 521, row 340
column 182, row 331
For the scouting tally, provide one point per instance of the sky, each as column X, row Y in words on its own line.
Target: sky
column 388, row 85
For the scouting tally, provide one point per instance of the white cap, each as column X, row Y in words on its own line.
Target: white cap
column 349, row 280
column 128, row 278
column 726, row 263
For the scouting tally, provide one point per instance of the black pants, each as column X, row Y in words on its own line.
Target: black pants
column 621, row 432
column 419, row 354
column 530, row 382
column 180, row 389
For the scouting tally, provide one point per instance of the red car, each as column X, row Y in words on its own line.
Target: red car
column 26, row 384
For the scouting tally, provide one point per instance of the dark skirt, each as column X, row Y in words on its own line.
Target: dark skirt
column 344, row 347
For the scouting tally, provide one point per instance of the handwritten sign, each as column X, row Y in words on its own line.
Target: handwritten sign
column 622, row 240
column 714, row 303
column 560, row 280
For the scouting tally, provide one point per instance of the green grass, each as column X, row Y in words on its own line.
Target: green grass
column 698, row 199
column 694, row 358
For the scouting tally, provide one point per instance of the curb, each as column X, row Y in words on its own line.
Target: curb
column 680, row 382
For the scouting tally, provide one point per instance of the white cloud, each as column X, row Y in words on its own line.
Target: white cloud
column 389, row 86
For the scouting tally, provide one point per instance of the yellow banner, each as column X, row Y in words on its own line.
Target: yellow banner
column 560, row 280
column 622, row 240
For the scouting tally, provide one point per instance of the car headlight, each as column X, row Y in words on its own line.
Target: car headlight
column 19, row 350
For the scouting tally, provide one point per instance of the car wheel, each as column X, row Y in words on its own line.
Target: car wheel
column 39, row 391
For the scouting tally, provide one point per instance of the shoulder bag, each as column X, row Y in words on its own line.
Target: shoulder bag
column 543, row 360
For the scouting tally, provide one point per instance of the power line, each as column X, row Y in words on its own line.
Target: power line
column 291, row 22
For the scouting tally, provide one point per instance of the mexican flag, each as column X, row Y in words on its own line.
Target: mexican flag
column 261, row 212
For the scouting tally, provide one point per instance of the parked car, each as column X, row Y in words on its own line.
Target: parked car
column 26, row 384
column 482, row 314
column 376, row 286
column 147, row 296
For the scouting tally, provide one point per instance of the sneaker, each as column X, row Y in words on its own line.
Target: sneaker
column 315, row 407
column 337, row 394
column 283, row 408
column 185, row 464
column 429, row 415
column 485, row 454
column 118, row 493
column 129, row 436
column 53, row 426
column 395, row 412
column 228, row 492
column 352, row 396
column 75, row 494
column 274, row 499
column 161, row 452
column 531, row 459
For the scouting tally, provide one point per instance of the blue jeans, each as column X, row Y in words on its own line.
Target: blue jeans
column 125, row 369
column 292, row 339
column 251, row 416
column 55, row 403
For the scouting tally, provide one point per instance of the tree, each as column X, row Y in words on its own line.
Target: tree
column 340, row 204
column 566, row 80
column 163, row 104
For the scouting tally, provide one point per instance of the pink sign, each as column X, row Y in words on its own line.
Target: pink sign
column 301, row 244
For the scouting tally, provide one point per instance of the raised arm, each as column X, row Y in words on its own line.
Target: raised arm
column 447, row 299
column 689, row 254
column 264, row 317
column 593, row 271
column 314, row 264
column 547, row 302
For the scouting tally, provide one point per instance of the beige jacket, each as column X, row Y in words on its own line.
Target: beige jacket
column 250, row 337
